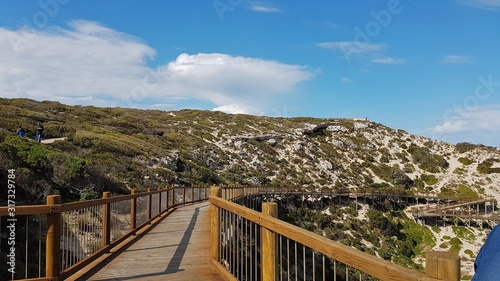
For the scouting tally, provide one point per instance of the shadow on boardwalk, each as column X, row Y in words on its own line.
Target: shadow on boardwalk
column 178, row 248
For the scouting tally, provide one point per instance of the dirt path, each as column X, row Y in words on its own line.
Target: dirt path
column 52, row 140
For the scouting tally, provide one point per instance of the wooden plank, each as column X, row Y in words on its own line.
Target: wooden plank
column 178, row 248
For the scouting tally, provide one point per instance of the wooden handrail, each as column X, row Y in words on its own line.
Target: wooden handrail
column 364, row 262
column 54, row 209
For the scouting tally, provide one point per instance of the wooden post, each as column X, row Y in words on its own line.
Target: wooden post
column 442, row 265
column 184, row 195
column 192, row 194
column 268, row 249
column 159, row 200
column 133, row 207
column 214, row 225
column 150, row 204
column 53, row 240
column 106, row 220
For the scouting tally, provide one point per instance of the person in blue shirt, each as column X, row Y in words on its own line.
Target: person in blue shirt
column 487, row 263
column 20, row 131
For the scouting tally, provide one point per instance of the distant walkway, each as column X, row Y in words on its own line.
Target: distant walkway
column 176, row 249
column 52, row 140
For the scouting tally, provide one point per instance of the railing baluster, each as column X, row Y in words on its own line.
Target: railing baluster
column 296, row 263
column 314, row 265
column 280, row 266
column 39, row 248
column 26, row 251
column 304, row 260
column 324, row 267
column 288, row 258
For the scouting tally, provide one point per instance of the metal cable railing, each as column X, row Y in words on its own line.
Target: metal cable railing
column 120, row 219
column 29, row 247
column 80, row 234
column 57, row 240
column 250, row 245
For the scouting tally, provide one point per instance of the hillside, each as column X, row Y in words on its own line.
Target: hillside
column 117, row 149
column 131, row 148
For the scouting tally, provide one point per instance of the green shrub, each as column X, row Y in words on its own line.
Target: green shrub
column 466, row 161
column 393, row 175
column 463, row 147
column 427, row 161
column 486, row 166
column 455, row 245
column 429, row 179
column 466, row 191
column 470, row 253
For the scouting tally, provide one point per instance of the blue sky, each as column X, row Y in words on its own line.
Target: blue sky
column 429, row 67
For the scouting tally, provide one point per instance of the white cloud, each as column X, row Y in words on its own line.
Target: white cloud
column 480, row 125
column 345, row 80
column 238, row 109
column 480, row 119
column 332, row 25
column 352, row 47
column 263, row 7
column 387, row 60
column 224, row 79
column 456, row 59
column 93, row 64
column 482, row 4
column 361, row 50
column 451, row 127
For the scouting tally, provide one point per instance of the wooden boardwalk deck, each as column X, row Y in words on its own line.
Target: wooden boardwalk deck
column 178, row 248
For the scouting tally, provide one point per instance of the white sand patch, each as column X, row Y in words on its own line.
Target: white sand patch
column 472, row 243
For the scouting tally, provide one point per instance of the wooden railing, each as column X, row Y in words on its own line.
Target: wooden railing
column 250, row 245
column 76, row 234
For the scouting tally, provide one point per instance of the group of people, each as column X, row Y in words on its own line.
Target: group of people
column 38, row 131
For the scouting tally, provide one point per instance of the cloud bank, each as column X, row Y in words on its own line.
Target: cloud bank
column 92, row 64
column 480, row 123
column 493, row 5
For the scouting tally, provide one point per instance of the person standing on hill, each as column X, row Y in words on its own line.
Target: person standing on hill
column 20, row 131
column 39, row 131
column 487, row 263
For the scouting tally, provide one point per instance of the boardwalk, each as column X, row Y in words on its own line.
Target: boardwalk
column 176, row 249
